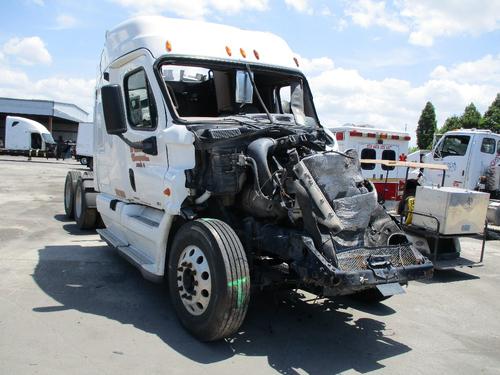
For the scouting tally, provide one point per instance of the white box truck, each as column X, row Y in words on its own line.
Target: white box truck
column 25, row 136
column 212, row 170
column 85, row 144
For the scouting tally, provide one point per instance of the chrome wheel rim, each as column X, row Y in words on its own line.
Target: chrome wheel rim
column 194, row 282
column 78, row 203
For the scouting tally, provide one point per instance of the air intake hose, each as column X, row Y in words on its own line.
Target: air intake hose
column 259, row 151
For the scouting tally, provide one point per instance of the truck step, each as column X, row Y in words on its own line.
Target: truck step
column 110, row 238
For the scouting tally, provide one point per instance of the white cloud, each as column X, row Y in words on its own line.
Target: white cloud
column 367, row 13
column 431, row 19
column 325, row 11
column 316, row 65
column 485, row 70
column 301, row 6
column 38, row 2
column 194, row 9
column 425, row 20
column 344, row 95
column 16, row 84
column 28, row 51
column 65, row 21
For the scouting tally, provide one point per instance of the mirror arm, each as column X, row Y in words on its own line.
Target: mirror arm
column 148, row 145
column 137, row 145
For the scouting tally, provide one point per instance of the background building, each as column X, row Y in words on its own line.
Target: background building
column 61, row 119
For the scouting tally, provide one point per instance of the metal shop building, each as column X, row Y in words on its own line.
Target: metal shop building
column 61, row 119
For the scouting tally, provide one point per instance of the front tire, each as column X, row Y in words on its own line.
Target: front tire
column 209, row 279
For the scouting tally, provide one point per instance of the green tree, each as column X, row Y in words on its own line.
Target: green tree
column 451, row 123
column 471, row 117
column 426, row 126
column 491, row 118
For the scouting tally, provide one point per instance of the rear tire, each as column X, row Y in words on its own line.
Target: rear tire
column 85, row 216
column 209, row 279
column 372, row 295
column 69, row 193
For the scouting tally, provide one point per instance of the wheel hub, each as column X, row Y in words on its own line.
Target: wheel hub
column 194, row 280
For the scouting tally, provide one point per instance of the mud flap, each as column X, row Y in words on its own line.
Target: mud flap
column 391, row 289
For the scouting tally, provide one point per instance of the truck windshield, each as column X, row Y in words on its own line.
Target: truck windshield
column 48, row 138
column 455, row 145
column 203, row 92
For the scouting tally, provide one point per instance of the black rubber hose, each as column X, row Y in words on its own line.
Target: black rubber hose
column 259, row 150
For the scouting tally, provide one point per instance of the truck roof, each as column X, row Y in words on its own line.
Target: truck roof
column 32, row 124
column 472, row 131
column 368, row 129
column 171, row 36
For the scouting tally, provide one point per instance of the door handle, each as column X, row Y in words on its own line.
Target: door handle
column 131, row 177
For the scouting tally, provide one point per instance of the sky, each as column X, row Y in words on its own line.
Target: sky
column 367, row 61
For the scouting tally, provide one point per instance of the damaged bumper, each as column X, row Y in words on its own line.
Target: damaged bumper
column 360, row 269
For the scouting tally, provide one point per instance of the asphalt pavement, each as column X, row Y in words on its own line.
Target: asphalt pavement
column 69, row 304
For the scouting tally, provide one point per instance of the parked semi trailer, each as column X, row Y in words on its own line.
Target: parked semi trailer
column 212, row 170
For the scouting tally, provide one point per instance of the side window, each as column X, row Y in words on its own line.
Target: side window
column 498, row 148
column 368, row 153
column 388, row 155
column 488, row 146
column 141, row 109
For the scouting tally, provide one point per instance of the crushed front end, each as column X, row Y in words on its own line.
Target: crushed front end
column 303, row 211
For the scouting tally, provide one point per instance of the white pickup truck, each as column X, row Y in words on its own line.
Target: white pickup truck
column 212, row 170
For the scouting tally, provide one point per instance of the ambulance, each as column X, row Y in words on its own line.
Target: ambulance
column 381, row 144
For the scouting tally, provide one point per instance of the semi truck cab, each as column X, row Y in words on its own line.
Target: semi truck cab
column 213, row 171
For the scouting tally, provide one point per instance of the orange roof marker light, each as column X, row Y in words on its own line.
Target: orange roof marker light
column 243, row 53
column 256, row 54
column 228, row 51
column 168, row 46
column 296, row 61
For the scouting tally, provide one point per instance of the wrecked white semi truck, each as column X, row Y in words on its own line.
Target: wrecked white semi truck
column 212, row 170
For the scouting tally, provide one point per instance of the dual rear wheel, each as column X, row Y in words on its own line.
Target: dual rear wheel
column 79, row 201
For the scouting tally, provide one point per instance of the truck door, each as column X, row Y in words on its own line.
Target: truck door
column 453, row 150
column 36, row 141
column 486, row 157
column 146, row 118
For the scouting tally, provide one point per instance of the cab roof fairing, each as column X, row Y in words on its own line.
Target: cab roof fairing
column 196, row 38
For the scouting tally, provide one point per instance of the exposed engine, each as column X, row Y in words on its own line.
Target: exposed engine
column 296, row 200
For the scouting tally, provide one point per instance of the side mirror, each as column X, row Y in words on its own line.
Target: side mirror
column 244, row 88
column 114, row 112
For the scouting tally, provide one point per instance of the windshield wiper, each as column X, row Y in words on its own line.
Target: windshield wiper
column 258, row 94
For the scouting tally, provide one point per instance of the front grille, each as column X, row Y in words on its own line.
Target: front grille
column 399, row 256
